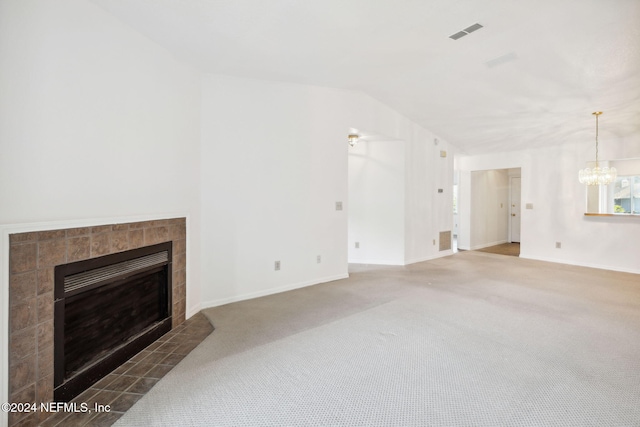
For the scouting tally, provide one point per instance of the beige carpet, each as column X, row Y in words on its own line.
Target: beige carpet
column 473, row 339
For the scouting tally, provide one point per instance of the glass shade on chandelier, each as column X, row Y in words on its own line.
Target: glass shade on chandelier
column 597, row 175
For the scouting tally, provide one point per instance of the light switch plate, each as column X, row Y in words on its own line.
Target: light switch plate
column 338, row 206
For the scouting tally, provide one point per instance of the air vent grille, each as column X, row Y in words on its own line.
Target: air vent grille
column 472, row 28
column 445, row 240
column 457, row 35
column 88, row 278
column 466, row 31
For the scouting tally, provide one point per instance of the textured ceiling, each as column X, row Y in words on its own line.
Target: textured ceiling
column 531, row 76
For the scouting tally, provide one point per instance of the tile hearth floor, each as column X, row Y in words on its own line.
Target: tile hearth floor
column 128, row 383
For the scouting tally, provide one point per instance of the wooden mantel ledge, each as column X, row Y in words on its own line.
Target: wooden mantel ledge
column 619, row 215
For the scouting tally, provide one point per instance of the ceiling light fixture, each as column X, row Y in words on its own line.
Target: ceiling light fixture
column 353, row 139
column 597, row 175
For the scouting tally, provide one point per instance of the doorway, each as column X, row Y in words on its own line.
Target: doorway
column 376, row 215
column 494, row 211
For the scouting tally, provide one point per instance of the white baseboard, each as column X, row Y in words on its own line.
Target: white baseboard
column 375, row 261
column 192, row 311
column 430, row 257
column 582, row 264
column 251, row 295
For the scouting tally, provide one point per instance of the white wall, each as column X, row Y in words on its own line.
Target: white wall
column 96, row 121
column 550, row 183
column 274, row 162
column 428, row 211
column 376, row 202
column 489, row 208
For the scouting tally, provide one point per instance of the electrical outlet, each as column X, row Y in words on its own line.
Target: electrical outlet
column 338, row 206
column 277, row 265
column 434, row 242
column 558, row 245
column 529, row 206
column 318, row 259
column 357, row 245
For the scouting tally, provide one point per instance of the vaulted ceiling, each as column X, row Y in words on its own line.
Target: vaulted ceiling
column 531, row 76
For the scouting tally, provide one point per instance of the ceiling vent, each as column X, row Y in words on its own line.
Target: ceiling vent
column 502, row 59
column 466, row 31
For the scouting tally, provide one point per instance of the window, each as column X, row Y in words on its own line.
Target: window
column 626, row 195
column 621, row 197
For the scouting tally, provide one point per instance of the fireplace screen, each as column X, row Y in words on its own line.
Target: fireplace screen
column 106, row 310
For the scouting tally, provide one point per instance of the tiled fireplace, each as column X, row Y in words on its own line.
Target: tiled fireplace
column 32, row 259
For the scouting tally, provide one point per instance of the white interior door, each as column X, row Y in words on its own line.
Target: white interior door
column 514, row 218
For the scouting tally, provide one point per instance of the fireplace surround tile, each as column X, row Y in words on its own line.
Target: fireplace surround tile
column 23, row 257
column 23, row 374
column 78, row 248
column 45, row 335
column 119, row 241
column 23, row 315
column 23, row 287
column 27, row 394
column 22, row 343
column 23, row 237
column 136, row 239
column 46, row 280
column 33, row 256
column 101, row 229
column 50, row 235
column 52, row 252
column 100, row 245
column 45, row 362
column 155, row 235
column 45, row 307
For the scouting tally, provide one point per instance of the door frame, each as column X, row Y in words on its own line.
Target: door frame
column 511, row 203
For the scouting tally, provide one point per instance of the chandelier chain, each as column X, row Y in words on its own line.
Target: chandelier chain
column 597, row 139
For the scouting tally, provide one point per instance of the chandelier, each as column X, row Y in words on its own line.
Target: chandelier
column 353, row 139
column 597, row 175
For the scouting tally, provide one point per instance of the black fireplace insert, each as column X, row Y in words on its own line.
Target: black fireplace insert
column 107, row 309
